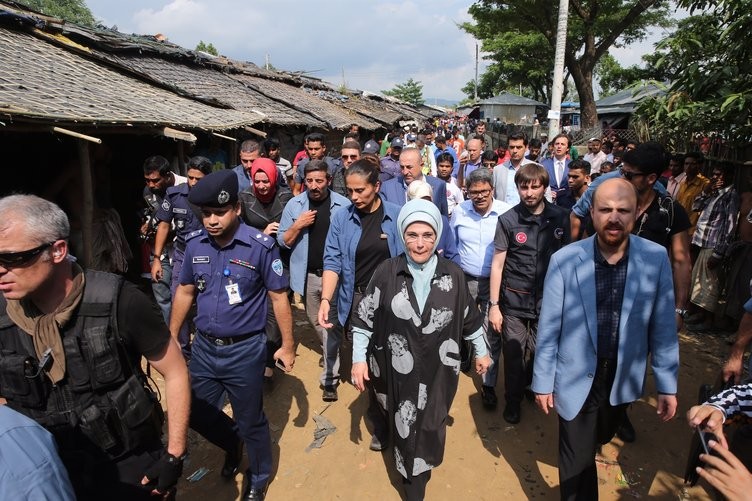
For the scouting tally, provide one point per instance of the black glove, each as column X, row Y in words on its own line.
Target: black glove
column 166, row 472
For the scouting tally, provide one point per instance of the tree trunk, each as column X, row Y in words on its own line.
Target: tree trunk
column 583, row 80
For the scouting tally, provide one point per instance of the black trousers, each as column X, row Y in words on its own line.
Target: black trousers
column 579, row 438
column 415, row 487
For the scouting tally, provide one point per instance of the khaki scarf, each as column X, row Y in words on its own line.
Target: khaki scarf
column 45, row 329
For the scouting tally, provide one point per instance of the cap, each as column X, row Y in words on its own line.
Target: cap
column 411, row 137
column 397, row 142
column 371, row 147
column 215, row 190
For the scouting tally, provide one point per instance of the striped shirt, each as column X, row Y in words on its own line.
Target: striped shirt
column 717, row 222
column 734, row 400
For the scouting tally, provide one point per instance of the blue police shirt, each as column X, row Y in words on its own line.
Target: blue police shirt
column 475, row 236
column 342, row 242
column 252, row 262
column 175, row 207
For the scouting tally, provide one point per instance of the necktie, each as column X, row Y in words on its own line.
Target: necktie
column 559, row 171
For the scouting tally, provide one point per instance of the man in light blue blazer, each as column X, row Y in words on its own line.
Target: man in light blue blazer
column 608, row 303
column 411, row 165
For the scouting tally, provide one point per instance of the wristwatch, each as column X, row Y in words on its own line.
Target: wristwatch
column 493, row 303
column 682, row 312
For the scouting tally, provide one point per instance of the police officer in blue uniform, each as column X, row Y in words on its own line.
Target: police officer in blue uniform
column 231, row 270
column 175, row 210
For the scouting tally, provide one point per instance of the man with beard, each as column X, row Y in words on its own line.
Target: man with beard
column 305, row 222
column 411, row 165
column 316, row 150
column 526, row 237
column 599, row 321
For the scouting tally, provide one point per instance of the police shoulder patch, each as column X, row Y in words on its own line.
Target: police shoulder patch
column 193, row 234
column 277, row 267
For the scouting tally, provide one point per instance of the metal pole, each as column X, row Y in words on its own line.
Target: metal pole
column 475, row 93
column 558, row 83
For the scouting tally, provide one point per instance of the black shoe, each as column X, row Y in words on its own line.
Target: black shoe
column 254, row 494
column 512, row 412
column 377, row 444
column 330, row 393
column 626, row 431
column 488, row 396
column 232, row 462
column 321, row 362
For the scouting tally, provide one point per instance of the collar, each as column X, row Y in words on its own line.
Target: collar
column 442, row 267
column 599, row 259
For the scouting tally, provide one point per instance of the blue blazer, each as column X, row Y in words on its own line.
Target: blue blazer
column 566, row 350
column 548, row 163
column 395, row 191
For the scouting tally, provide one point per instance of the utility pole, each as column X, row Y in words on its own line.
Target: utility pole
column 475, row 93
column 554, row 116
column 266, row 66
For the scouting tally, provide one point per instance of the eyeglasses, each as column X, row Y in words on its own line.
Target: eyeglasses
column 428, row 238
column 629, row 175
column 21, row 258
column 349, row 157
column 478, row 194
column 489, row 164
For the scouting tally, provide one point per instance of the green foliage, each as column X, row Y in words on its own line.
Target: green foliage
column 410, row 92
column 208, row 48
column 74, row 11
column 520, row 37
column 613, row 78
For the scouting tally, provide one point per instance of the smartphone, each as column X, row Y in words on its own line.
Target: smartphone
column 705, row 437
column 280, row 365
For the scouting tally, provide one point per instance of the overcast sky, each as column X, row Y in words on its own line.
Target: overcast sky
column 377, row 44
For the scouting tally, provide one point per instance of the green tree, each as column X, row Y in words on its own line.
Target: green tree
column 207, row 47
column 74, row 11
column 612, row 77
column 594, row 27
column 410, row 92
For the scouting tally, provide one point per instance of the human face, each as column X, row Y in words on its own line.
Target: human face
column 349, row 156
column 316, row 150
column 220, row 222
column 444, row 169
column 577, row 180
column 26, row 276
column 676, row 167
column 420, row 239
column 247, row 158
column 411, row 164
column 474, row 150
column 155, row 182
column 489, row 164
column 534, row 152
column 594, row 147
column 261, row 183
column 481, row 195
column 317, row 183
column 395, row 152
column 429, row 138
column 516, row 149
column 362, row 193
column 273, row 154
column 561, row 147
column 639, row 180
column 606, row 149
column 481, row 129
column 691, row 167
column 531, row 194
column 613, row 212
column 194, row 176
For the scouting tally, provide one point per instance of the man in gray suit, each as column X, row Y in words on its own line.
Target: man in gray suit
column 608, row 302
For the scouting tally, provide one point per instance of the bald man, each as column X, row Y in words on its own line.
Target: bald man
column 608, row 302
column 411, row 169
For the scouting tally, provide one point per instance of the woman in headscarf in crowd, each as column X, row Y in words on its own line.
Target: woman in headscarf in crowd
column 360, row 238
column 407, row 330
column 446, row 245
column 261, row 206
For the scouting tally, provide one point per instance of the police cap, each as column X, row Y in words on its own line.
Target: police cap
column 215, row 190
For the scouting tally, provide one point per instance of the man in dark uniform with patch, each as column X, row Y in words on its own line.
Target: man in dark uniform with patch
column 231, row 269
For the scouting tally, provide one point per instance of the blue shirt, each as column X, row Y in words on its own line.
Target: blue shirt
column 30, row 467
column 244, row 179
column 253, row 263
column 299, row 256
column 475, row 236
column 390, row 168
column 175, row 207
column 342, row 242
column 582, row 207
column 471, row 167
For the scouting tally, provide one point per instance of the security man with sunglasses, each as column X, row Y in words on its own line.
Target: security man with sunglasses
column 70, row 359
column 231, row 269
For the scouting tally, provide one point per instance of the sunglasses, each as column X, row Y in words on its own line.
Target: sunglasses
column 21, row 258
column 629, row 175
column 349, row 157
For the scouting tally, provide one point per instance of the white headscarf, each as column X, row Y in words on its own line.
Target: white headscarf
column 420, row 211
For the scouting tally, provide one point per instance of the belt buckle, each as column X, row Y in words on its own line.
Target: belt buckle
column 219, row 341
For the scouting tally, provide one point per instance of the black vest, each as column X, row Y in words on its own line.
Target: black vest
column 104, row 401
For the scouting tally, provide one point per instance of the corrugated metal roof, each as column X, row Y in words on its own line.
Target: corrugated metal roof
column 507, row 98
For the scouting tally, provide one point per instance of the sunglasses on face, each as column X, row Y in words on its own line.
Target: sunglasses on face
column 629, row 175
column 21, row 258
column 349, row 157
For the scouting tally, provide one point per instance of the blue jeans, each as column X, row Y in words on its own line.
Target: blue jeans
column 161, row 289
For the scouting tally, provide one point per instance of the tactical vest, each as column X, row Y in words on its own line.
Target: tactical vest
column 104, row 398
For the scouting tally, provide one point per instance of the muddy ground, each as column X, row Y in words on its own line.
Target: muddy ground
column 485, row 458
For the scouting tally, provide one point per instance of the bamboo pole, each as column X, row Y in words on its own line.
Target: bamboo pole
column 259, row 133
column 224, row 137
column 78, row 135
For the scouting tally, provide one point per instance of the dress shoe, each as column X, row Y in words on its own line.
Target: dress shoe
column 330, row 393
column 626, row 431
column 232, row 462
column 488, row 396
column 254, row 494
column 377, row 444
column 512, row 412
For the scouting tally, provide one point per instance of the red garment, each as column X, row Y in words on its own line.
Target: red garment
column 300, row 156
column 268, row 167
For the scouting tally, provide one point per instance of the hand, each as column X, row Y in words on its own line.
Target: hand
column 271, row 228
column 732, row 368
column 679, row 322
column 324, row 315
column 482, row 364
column 144, row 228
column 666, row 407
column 156, row 270
column 713, row 262
column 306, row 219
column 544, row 401
column 726, row 473
column 709, row 418
column 495, row 318
column 359, row 375
column 287, row 355
column 165, row 472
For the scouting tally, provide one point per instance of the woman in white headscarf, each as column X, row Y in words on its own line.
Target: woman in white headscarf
column 415, row 313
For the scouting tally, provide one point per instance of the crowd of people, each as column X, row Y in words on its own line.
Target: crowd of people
column 416, row 258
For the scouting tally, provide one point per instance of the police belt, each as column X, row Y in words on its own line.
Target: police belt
column 227, row 341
